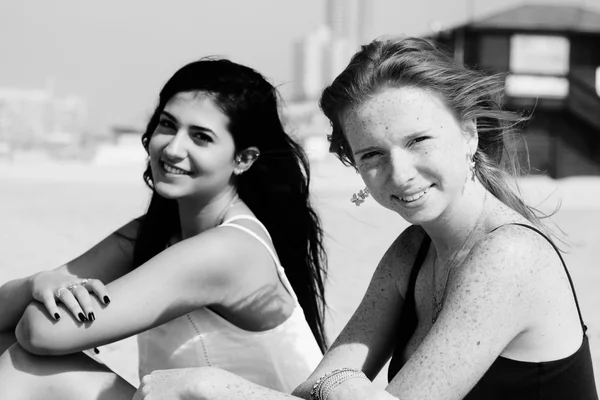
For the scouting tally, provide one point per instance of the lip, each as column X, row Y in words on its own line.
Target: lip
column 165, row 166
column 416, row 202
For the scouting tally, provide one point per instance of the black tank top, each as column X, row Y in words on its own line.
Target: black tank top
column 568, row 378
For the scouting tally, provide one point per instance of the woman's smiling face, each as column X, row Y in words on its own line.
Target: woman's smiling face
column 191, row 150
column 411, row 151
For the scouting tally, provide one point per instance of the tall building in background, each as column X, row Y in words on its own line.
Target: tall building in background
column 310, row 63
column 364, row 22
column 337, row 17
column 322, row 54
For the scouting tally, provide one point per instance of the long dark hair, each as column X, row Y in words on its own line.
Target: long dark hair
column 470, row 94
column 276, row 188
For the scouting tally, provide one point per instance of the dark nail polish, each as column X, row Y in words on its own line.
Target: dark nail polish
column 56, row 316
column 106, row 300
column 91, row 316
column 96, row 350
column 82, row 317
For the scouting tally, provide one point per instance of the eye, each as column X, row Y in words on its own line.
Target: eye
column 166, row 123
column 369, row 155
column 420, row 139
column 201, row 137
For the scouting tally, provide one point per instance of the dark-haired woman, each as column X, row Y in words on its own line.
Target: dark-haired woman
column 200, row 277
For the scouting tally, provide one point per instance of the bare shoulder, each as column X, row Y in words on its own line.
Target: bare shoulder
column 406, row 244
column 221, row 250
column 510, row 253
column 399, row 258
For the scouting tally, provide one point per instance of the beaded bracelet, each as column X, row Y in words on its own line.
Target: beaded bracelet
column 326, row 383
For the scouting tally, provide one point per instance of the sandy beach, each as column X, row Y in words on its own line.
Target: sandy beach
column 51, row 212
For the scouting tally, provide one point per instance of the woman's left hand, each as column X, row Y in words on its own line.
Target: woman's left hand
column 171, row 384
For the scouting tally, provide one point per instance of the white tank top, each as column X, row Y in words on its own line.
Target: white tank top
column 280, row 358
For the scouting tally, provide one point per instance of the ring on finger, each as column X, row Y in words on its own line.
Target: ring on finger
column 58, row 292
column 84, row 282
column 72, row 286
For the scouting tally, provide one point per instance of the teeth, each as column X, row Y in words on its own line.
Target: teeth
column 174, row 170
column 414, row 196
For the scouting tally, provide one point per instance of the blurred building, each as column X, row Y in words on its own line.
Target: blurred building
column 318, row 58
column 322, row 54
column 124, row 147
column 549, row 57
column 37, row 119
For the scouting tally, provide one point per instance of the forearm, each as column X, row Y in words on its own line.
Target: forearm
column 15, row 296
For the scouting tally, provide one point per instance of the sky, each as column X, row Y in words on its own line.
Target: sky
column 117, row 54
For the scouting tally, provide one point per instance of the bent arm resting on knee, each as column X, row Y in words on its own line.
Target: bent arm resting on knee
column 189, row 275
column 367, row 341
column 106, row 261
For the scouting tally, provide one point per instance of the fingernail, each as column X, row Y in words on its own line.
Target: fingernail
column 106, row 300
column 82, row 317
column 56, row 316
column 91, row 316
column 96, row 350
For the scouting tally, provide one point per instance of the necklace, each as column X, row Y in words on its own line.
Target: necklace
column 438, row 305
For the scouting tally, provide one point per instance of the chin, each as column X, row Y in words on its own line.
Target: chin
column 168, row 192
column 420, row 217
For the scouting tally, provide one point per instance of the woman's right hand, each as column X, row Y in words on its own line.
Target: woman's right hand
column 51, row 287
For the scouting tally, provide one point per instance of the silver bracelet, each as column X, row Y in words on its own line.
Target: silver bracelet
column 326, row 383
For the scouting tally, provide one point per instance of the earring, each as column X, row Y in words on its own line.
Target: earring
column 472, row 167
column 238, row 171
column 359, row 198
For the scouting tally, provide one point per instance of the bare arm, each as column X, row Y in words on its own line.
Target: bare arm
column 203, row 384
column 365, row 343
column 106, row 261
column 367, row 340
column 489, row 302
column 196, row 272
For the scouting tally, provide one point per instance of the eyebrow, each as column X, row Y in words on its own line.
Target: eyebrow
column 193, row 127
column 407, row 138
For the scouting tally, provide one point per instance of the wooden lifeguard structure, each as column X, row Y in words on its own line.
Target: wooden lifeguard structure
column 550, row 59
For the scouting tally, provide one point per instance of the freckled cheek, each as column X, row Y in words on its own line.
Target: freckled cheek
column 375, row 180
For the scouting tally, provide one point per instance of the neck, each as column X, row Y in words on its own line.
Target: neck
column 197, row 216
column 460, row 223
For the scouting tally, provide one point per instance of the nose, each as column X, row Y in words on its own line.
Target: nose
column 401, row 168
column 176, row 148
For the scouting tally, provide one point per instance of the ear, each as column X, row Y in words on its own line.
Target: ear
column 244, row 159
column 471, row 135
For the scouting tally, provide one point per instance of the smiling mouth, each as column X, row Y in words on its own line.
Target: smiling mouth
column 414, row 197
column 171, row 169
